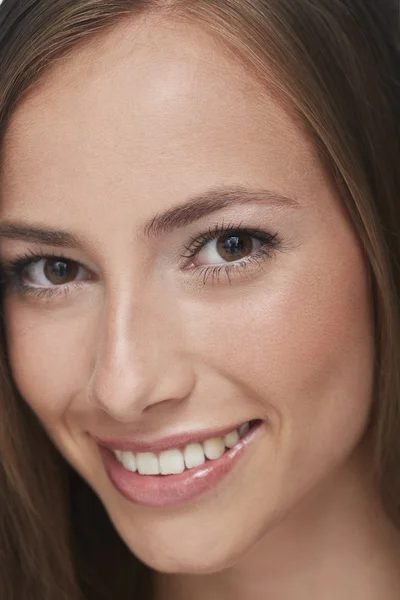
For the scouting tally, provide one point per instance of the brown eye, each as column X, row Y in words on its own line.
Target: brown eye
column 59, row 272
column 233, row 247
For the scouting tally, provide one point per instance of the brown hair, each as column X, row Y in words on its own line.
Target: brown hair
column 337, row 62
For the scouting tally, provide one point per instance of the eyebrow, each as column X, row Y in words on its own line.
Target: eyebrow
column 37, row 235
column 176, row 217
column 210, row 202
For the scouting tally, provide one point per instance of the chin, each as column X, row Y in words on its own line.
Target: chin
column 189, row 554
column 177, row 562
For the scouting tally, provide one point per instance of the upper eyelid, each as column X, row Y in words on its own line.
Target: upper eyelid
column 12, row 275
column 197, row 242
column 34, row 257
column 12, row 270
column 51, row 292
column 201, row 239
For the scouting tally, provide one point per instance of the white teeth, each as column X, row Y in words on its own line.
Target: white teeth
column 194, row 456
column 214, row 448
column 171, row 462
column 231, row 439
column 147, row 463
column 174, row 462
column 128, row 460
column 243, row 429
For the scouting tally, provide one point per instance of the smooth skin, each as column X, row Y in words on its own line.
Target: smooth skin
column 133, row 124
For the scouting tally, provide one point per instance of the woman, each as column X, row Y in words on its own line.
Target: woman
column 199, row 240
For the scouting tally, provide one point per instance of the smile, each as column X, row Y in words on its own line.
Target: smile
column 176, row 461
column 177, row 474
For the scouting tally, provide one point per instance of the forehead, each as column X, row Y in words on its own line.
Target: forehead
column 151, row 107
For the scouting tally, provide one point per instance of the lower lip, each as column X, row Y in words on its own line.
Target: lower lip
column 162, row 491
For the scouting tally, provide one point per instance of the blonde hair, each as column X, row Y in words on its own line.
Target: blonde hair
column 337, row 63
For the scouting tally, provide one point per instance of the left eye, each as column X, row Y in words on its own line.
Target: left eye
column 228, row 248
column 50, row 272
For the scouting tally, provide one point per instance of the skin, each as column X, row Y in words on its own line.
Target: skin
column 143, row 346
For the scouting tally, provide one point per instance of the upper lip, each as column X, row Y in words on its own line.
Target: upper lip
column 166, row 443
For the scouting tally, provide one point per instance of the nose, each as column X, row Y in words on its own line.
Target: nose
column 140, row 358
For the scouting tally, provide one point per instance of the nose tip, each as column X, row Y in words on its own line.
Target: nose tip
column 140, row 363
column 126, row 392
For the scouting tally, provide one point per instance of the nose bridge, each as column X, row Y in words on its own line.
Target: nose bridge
column 140, row 359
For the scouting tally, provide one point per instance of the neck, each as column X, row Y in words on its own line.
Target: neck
column 337, row 544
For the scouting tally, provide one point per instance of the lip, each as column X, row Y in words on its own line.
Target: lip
column 176, row 441
column 163, row 491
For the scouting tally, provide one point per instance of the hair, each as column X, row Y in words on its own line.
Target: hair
column 337, row 64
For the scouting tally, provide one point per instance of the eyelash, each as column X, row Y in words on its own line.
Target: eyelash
column 269, row 243
column 12, row 276
column 12, row 273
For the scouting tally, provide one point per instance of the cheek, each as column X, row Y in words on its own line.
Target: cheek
column 300, row 343
column 49, row 356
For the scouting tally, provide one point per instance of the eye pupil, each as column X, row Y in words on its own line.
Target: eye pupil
column 60, row 271
column 233, row 247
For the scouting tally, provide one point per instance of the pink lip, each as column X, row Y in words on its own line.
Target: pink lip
column 158, row 445
column 162, row 491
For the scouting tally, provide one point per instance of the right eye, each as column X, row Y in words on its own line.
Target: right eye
column 52, row 271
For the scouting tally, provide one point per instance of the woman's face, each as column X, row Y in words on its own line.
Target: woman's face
column 179, row 264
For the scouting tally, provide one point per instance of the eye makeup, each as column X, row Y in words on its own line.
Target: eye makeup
column 218, row 254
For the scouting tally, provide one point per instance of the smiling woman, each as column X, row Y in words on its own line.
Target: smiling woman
column 199, row 247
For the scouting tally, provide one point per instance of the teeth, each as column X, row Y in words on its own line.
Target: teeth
column 231, row 439
column 214, row 448
column 194, row 456
column 129, row 462
column 147, row 463
column 171, row 462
